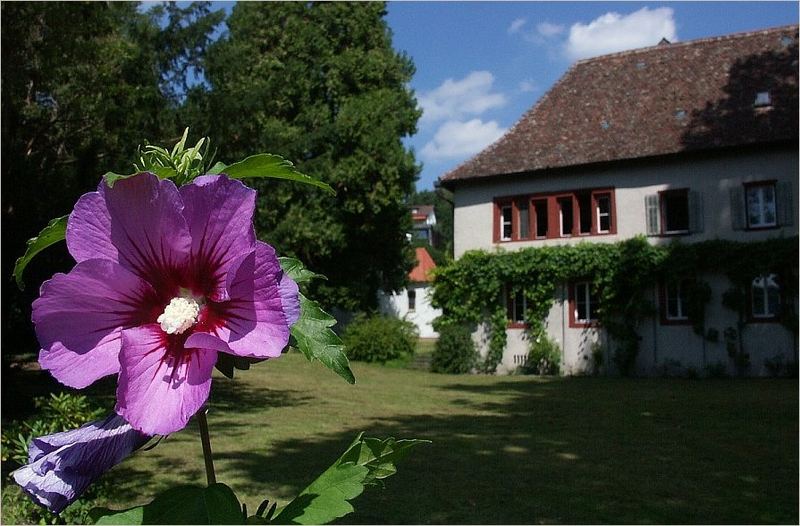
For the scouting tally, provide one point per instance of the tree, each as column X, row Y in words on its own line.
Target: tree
column 320, row 84
column 84, row 83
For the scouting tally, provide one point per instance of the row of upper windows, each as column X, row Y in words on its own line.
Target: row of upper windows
column 764, row 303
column 755, row 206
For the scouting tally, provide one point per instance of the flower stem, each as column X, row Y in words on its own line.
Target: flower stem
column 206, row 441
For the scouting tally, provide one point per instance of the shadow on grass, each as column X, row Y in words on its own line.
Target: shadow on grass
column 574, row 451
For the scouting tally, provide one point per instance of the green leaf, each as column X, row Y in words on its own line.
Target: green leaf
column 295, row 269
column 274, row 166
column 216, row 504
column 217, row 168
column 326, row 499
column 55, row 231
column 315, row 339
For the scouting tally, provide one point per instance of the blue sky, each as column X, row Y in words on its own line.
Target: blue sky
column 481, row 65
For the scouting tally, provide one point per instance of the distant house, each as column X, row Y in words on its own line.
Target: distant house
column 686, row 141
column 413, row 303
column 424, row 219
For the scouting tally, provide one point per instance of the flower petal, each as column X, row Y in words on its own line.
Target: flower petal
column 219, row 213
column 290, row 298
column 137, row 223
column 78, row 318
column 161, row 384
column 253, row 322
column 61, row 466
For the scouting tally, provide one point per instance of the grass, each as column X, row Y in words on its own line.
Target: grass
column 505, row 449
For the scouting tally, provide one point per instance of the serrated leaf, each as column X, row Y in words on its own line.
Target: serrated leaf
column 326, row 499
column 295, row 269
column 55, row 231
column 273, row 166
column 315, row 339
column 215, row 504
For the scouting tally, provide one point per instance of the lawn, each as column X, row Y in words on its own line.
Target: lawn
column 505, row 449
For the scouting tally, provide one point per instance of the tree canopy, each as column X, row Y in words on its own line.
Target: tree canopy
column 320, row 84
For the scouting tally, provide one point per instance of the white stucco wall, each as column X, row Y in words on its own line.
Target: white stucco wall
column 423, row 314
column 713, row 177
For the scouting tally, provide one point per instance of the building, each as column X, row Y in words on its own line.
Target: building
column 424, row 219
column 413, row 303
column 687, row 141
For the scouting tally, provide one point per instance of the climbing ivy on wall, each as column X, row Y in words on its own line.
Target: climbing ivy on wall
column 470, row 290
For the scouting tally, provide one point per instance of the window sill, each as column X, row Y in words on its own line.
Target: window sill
column 763, row 319
column 516, row 325
column 676, row 321
column 758, row 228
column 592, row 324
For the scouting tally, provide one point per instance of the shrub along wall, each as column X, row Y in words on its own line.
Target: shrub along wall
column 470, row 290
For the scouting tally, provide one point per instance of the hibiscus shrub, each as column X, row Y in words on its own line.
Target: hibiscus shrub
column 379, row 338
column 455, row 351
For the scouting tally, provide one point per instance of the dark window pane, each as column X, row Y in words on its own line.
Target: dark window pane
column 412, row 299
column 675, row 210
column 584, row 212
column 519, row 307
column 541, row 217
column 581, row 305
column 565, row 208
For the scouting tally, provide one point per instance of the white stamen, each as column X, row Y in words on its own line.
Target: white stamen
column 179, row 315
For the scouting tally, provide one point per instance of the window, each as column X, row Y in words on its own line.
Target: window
column 584, row 200
column 674, row 301
column 412, row 299
column 675, row 211
column 505, row 223
column 548, row 216
column 565, row 216
column 516, row 307
column 765, row 296
column 540, row 214
column 524, row 220
column 583, row 304
column 603, row 207
column 761, row 209
column 762, row 99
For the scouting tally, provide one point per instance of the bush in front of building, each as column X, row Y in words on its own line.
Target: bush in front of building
column 379, row 338
column 544, row 357
column 455, row 351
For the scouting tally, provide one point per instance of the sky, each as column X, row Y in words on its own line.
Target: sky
column 481, row 65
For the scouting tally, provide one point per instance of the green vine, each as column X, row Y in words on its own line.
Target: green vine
column 470, row 289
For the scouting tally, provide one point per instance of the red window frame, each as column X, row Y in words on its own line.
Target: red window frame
column 510, row 298
column 553, row 214
column 572, row 304
column 755, row 184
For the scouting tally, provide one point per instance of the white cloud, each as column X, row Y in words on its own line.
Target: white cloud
column 516, row 25
column 548, row 29
column 613, row 32
column 528, row 86
column 455, row 99
column 456, row 139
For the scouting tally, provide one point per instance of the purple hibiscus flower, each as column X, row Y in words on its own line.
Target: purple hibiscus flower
column 165, row 279
column 61, row 466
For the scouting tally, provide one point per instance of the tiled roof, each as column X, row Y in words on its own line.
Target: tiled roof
column 653, row 101
column 420, row 273
column 422, row 212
